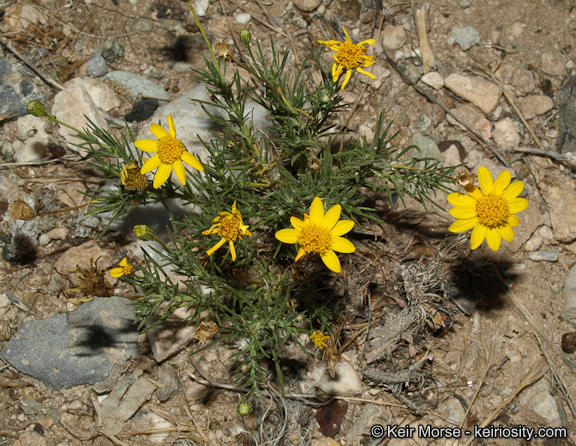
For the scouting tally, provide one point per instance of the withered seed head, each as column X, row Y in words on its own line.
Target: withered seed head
column 224, row 51
column 466, row 180
column 20, row 210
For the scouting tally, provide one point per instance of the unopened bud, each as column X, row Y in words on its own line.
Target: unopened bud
column 36, row 108
column 144, row 233
column 245, row 37
column 244, row 408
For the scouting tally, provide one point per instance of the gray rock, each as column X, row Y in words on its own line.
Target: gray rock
column 112, row 51
column 428, row 148
column 465, row 36
column 566, row 100
column 569, row 295
column 137, row 84
column 552, row 64
column 143, row 25
column 96, row 66
column 543, row 256
column 16, row 91
column 183, row 67
column 532, row 106
column 75, row 348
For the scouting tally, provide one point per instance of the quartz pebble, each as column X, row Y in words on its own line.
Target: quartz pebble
column 483, row 94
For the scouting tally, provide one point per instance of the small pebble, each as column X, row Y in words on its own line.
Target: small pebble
column 465, row 36
column 243, row 18
column 96, row 66
column 569, row 342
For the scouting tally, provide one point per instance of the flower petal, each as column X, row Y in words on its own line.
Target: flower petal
column 336, row 70
column 190, row 159
column 232, row 250
column 513, row 190
column 317, row 211
column 117, row 272
column 171, row 127
column 289, row 236
column 507, row 233
column 162, row 174
column 494, row 239
column 513, row 220
column 346, row 79
column 331, row 260
column 463, row 212
column 457, row 199
column 502, row 182
column 367, row 42
column 475, row 193
column 151, row 164
column 366, row 73
column 340, row 244
column 216, row 246
column 180, row 171
column 297, row 223
column 518, row 205
column 485, row 180
column 158, row 131
column 463, row 225
column 341, row 228
column 301, row 252
column 478, row 236
column 147, row 145
column 331, row 217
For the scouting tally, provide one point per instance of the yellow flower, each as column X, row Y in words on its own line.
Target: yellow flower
column 125, row 269
column 169, row 154
column 320, row 234
column 228, row 226
column 351, row 56
column 490, row 212
column 318, row 339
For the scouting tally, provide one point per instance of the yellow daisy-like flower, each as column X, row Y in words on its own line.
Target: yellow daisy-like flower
column 228, row 226
column 351, row 56
column 125, row 269
column 320, row 234
column 489, row 212
column 169, row 154
column 318, row 338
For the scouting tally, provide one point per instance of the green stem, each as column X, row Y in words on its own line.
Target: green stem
column 207, row 41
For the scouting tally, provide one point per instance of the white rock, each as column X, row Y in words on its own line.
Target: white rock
column 532, row 106
column 451, row 156
column 393, row 37
column 546, row 232
column 472, row 118
column 345, row 383
column 28, row 123
column 201, row 7
column 102, row 95
column 32, row 150
column 534, row 243
column 483, row 94
column 74, row 106
column 381, row 74
column 307, row 5
column 59, row 233
column 433, row 79
column 505, row 134
column 242, row 18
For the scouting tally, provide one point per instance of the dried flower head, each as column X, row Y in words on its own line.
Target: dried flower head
column 314, row 164
column 351, row 56
column 132, row 178
column 320, row 234
column 169, row 154
column 489, row 212
column 466, row 181
column 92, row 283
column 318, row 338
column 229, row 226
column 224, row 51
column 205, row 331
column 20, row 210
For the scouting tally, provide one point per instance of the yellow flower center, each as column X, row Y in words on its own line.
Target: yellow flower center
column 127, row 269
column 493, row 211
column 170, row 149
column 314, row 238
column 229, row 228
column 351, row 56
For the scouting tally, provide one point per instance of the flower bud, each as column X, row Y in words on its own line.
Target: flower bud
column 245, row 37
column 144, row 233
column 36, row 108
column 244, row 408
